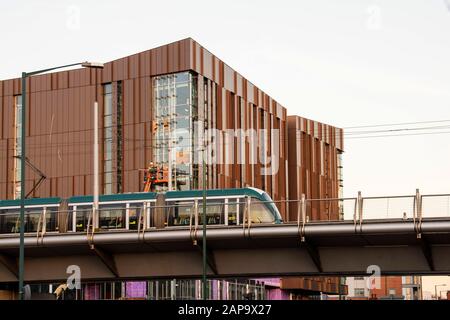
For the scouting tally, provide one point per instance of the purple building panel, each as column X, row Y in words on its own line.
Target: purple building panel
column 270, row 282
column 277, row 294
column 91, row 292
column 136, row 289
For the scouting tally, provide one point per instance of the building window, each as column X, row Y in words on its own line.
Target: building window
column 17, row 145
column 263, row 147
column 107, row 139
column 174, row 112
column 119, row 137
column 359, row 292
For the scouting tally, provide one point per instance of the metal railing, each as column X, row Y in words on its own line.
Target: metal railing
column 238, row 212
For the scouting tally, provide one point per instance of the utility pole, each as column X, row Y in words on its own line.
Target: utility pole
column 25, row 75
column 204, row 215
column 96, row 169
column 22, row 188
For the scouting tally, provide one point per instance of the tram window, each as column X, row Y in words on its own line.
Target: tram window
column 178, row 213
column 112, row 216
column 51, row 219
column 259, row 212
column 134, row 211
column 9, row 222
column 82, row 217
column 214, row 211
column 232, row 211
column 32, row 220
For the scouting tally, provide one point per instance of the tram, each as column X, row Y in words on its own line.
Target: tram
column 140, row 211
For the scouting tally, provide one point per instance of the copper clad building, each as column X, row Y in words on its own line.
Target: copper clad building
column 148, row 103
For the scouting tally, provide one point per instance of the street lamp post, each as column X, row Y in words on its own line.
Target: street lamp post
column 25, row 75
column 204, row 216
column 435, row 289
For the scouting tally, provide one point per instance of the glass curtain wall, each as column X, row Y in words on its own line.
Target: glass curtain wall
column 174, row 113
column 17, row 144
column 108, row 139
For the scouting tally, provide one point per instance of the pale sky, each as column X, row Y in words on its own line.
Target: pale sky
column 346, row 63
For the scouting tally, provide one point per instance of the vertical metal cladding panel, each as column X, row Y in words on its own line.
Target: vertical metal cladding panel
column 164, row 64
column 128, row 100
column 3, row 161
column 107, row 73
column 140, row 147
column 10, row 171
column 172, row 58
column 208, row 64
column 126, row 181
column 8, row 117
column 2, row 113
column 65, row 159
column 201, row 50
column 144, row 68
column 231, row 164
column 133, row 66
column 73, row 79
column 128, row 158
column 53, row 99
column 160, row 61
column 8, row 87
column 144, row 89
column 67, row 148
column 136, row 101
column 219, row 126
column 85, row 77
column 63, row 79
column 3, row 169
column 78, row 185
column 257, row 162
column 61, row 137
column 234, row 125
column 54, row 81
column 185, row 54
column 88, row 184
column 120, row 69
column 154, row 61
column 198, row 57
column 216, row 70
column 212, row 106
column 83, row 108
column 228, row 78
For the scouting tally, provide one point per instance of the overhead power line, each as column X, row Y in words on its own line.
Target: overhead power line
column 396, row 124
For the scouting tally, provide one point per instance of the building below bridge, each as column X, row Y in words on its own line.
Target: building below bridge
column 388, row 288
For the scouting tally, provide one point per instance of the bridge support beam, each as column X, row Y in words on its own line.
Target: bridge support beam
column 107, row 259
column 210, row 261
column 10, row 263
column 427, row 252
column 314, row 254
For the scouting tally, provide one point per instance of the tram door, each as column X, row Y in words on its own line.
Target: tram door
column 159, row 214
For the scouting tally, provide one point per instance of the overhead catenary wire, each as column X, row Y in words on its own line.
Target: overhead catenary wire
column 396, row 124
column 148, row 143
